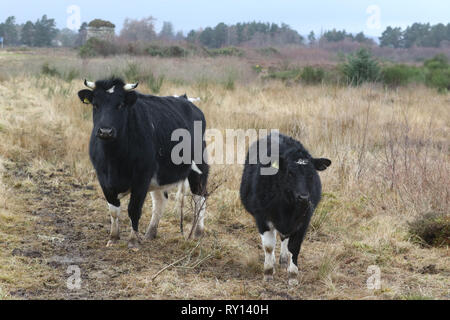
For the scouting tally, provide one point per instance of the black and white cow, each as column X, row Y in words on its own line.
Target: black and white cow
column 283, row 202
column 130, row 148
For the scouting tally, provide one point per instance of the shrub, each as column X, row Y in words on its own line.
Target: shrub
column 229, row 83
column 176, row 52
column 270, row 51
column 361, row 67
column 401, row 75
column 229, row 51
column 169, row 52
column 71, row 75
column 311, row 75
column 285, row 74
column 94, row 47
column 155, row 83
column 132, row 73
column 432, row 229
column 257, row 68
column 438, row 72
column 46, row 69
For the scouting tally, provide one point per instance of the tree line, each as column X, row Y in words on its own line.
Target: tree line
column 43, row 33
column 418, row 34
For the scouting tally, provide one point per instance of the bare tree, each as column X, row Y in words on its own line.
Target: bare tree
column 138, row 30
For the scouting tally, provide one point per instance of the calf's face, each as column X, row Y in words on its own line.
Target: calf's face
column 111, row 102
column 298, row 175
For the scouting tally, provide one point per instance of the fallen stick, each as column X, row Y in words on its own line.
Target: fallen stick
column 174, row 263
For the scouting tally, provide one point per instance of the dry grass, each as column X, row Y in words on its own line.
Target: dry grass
column 390, row 165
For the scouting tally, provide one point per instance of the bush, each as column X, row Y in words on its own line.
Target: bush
column 155, row 83
column 229, row 83
column 71, row 75
column 46, row 69
column 169, row 52
column 132, row 73
column 285, row 75
column 401, row 75
column 438, row 73
column 230, row 51
column 311, row 75
column 361, row 67
column 432, row 229
column 270, row 51
column 95, row 47
column 257, row 68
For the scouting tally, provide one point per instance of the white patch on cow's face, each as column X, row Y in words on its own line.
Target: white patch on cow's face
column 195, row 168
column 269, row 241
column 111, row 90
column 302, row 162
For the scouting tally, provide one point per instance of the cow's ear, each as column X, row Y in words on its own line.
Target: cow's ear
column 130, row 98
column 85, row 96
column 321, row 163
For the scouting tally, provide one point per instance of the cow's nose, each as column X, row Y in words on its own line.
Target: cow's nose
column 105, row 133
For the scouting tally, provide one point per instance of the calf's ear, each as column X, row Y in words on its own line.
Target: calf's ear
column 321, row 163
column 130, row 98
column 85, row 96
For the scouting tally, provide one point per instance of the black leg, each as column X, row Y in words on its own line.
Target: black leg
column 294, row 245
column 135, row 205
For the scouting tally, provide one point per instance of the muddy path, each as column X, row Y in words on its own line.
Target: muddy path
column 70, row 232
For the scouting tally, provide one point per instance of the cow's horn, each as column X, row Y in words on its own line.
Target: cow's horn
column 89, row 84
column 130, row 86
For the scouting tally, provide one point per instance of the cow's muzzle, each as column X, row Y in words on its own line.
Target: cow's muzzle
column 106, row 133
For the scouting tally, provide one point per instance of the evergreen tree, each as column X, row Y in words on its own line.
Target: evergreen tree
column 45, row 32
column 27, row 34
column 391, row 37
column 8, row 30
column 311, row 38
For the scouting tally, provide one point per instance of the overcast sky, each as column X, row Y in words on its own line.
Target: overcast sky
column 372, row 16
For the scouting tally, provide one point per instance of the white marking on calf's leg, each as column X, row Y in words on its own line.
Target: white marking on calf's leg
column 269, row 241
column 115, row 215
column 284, row 254
column 200, row 206
column 159, row 202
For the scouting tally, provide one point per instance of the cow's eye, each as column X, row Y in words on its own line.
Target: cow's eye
column 120, row 105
